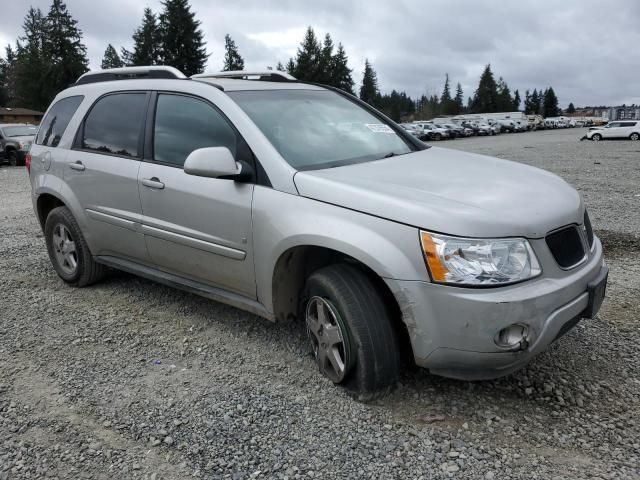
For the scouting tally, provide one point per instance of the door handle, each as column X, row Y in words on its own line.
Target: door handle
column 153, row 182
column 77, row 166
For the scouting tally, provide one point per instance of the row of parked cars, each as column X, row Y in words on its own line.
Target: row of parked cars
column 429, row 130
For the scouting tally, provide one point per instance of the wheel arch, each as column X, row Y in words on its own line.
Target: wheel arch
column 46, row 202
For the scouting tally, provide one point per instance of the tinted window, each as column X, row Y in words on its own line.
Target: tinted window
column 184, row 124
column 55, row 122
column 629, row 124
column 114, row 124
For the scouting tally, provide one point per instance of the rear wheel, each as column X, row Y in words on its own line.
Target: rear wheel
column 350, row 330
column 12, row 157
column 596, row 137
column 635, row 136
column 68, row 250
column 437, row 136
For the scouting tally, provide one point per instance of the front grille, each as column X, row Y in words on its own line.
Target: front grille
column 588, row 229
column 566, row 246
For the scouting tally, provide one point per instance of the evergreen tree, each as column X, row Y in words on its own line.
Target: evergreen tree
column 146, row 42
column 306, row 64
column 485, row 99
column 7, row 78
column 64, row 51
column 458, row 100
column 341, row 73
column 325, row 63
column 369, row 90
column 571, row 108
column 183, row 45
column 232, row 59
column 446, row 102
column 550, row 103
column 291, row 67
column 31, row 63
column 396, row 105
column 111, row 58
column 516, row 101
column 469, row 104
column 280, row 67
column 527, row 103
column 504, row 102
column 535, row 103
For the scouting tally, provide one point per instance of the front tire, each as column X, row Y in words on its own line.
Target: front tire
column 12, row 157
column 351, row 332
column 596, row 137
column 635, row 136
column 68, row 250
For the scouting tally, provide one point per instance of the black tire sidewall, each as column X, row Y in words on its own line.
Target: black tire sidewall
column 62, row 215
column 12, row 158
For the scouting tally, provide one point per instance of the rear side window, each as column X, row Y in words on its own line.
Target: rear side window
column 55, row 122
column 114, row 125
column 184, row 124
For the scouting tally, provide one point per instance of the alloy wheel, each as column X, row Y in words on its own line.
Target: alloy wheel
column 327, row 334
column 64, row 248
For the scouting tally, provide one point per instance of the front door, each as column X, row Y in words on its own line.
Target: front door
column 102, row 172
column 196, row 227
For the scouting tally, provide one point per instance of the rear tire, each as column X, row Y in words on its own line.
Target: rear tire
column 596, row 137
column 358, row 333
column 437, row 136
column 68, row 250
column 12, row 157
column 635, row 136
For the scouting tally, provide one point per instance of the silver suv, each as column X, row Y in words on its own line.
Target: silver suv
column 292, row 200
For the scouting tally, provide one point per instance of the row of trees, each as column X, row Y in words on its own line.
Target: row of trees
column 50, row 56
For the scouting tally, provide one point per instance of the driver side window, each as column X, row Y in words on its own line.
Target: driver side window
column 184, row 124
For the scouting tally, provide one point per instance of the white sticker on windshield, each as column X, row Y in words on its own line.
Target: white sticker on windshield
column 379, row 128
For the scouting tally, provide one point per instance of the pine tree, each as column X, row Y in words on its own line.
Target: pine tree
column 341, row 77
column 535, row 102
column 31, row 62
column 146, row 42
column 516, row 101
column 183, row 45
column 64, row 51
column 280, row 67
column 306, row 64
column 571, row 108
column 446, row 102
column 111, row 58
column 325, row 63
column 504, row 102
column 291, row 67
column 232, row 59
column 369, row 90
column 458, row 100
column 7, row 78
column 550, row 103
column 485, row 99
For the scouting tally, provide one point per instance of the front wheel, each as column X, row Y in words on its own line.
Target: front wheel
column 351, row 332
column 68, row 250
column 596, row 137
column 437, row 136
column 635, row 136
column 12, row 157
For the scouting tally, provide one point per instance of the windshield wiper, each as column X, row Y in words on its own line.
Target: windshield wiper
column 393, row 154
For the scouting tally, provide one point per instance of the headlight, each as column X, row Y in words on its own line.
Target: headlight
column 478, row 262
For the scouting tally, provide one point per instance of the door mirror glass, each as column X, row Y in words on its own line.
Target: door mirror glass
column 212, row 162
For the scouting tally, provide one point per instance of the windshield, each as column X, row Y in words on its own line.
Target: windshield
column 315, row 129
column 19, row 131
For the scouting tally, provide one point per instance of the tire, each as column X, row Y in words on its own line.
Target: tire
column 437, row 136
column 596, row 137
column 635, row 136
column 369, row 351
column 12, row 157
column 68, row 250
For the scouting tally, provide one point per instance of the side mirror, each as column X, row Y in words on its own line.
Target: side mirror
column 212, row 162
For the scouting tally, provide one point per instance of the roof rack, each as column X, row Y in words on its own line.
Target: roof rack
column 265, row 76
column 128, row 73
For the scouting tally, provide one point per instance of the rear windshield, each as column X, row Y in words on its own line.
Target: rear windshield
column 21, row 131
column 315, row 129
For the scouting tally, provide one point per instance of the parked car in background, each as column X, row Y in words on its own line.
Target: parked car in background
column 471, row 126
column 508, row 126
column 485, row 129
column 623, row 129
column 434, row 133
column 305, row 203
column 415, row 131
column 15, row 140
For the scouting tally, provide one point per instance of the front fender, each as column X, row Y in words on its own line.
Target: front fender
column 282, row 221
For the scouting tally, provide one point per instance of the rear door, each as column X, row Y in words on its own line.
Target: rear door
column 102, row 172
column 196, row 227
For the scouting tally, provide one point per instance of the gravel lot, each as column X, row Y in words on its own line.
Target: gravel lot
column 130, row 379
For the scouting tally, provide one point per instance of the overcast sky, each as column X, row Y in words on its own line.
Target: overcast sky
column 587, row 50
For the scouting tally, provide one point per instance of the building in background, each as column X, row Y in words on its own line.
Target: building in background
column 621, row 112
column 20, row 115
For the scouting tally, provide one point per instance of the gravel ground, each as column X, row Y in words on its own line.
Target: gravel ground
column 130, row 379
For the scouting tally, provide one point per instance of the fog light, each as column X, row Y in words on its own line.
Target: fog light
column 513, row 336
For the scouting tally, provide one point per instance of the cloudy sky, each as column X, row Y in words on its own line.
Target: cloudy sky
column 587, row 49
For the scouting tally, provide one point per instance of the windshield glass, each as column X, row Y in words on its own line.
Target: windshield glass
column 19, row 131
column 315, row 129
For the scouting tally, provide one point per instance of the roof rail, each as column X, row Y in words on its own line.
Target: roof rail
column 128, row 73
column 266, row 75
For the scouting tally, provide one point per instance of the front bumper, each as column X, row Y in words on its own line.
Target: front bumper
column 453, row 329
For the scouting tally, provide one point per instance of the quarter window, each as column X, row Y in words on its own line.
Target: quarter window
column 184, row 124
column 56, row 121
column 114, row 125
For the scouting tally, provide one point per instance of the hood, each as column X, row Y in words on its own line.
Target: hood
column 22, row 138
column 450, row 192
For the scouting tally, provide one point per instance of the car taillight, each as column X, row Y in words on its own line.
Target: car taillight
column 27, row 162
